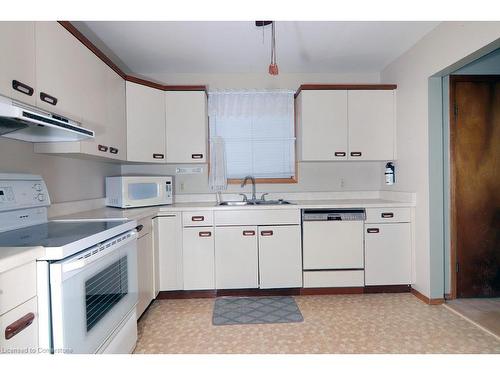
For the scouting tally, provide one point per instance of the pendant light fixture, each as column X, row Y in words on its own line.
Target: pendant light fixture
column 273, row 66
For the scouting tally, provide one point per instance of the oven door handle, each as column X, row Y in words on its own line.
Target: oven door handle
column 82, row 262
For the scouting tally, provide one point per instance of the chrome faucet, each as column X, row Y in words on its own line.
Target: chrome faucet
column 251, row 178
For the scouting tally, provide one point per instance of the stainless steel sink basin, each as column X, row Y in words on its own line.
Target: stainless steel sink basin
column 273, row 202
column 257, row 202
column 236, row 203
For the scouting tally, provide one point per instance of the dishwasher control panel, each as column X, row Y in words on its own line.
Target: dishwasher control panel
column 354, row 214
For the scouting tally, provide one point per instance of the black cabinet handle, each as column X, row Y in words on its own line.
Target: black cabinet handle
column 139, row 227
column 102, row 148
column 158, row 156
column 372, row 230
column 196, row 156
column 266, row 232
column 48, row 98
column 113, row 150
column 22, row 88
column 204, row 234
column 356, row 153
column 339, row 153
column 249, row 233
column 387, row 215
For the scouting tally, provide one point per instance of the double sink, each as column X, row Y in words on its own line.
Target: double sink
column 254, row 202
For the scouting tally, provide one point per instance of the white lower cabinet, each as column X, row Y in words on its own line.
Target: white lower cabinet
column 387, row 254
column 145, row 267
column 19, row 329
column 236, row 257
column 198, row 258
column 280, row 257
column 168, row 252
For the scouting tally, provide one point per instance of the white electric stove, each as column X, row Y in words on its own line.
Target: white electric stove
column 87, row 277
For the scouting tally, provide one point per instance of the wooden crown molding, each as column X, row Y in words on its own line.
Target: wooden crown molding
column 314, row 86
column 127, row 77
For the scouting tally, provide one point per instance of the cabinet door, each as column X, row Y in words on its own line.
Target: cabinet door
column 186, row 126
column 61, row 71
column 198, row 258
column 116, row 115
column 145, row 273
column 168, row 253
column 236, row 258
column 371, row 124
column 280, row 259
column 17, row 41
column 387, row 254
column 145, row 124
column 323, row 124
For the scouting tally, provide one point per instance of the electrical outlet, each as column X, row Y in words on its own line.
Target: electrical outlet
column 182, row 186
column 342, row 182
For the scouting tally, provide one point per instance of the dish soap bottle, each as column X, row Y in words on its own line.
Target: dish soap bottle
column 389, row 173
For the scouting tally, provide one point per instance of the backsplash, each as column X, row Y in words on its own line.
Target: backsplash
column 312, row 176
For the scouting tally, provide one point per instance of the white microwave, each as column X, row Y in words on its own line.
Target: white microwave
column 138, row 191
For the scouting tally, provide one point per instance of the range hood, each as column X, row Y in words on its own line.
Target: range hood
column 26, row 123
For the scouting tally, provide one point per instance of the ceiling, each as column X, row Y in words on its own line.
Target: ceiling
column 241, row 47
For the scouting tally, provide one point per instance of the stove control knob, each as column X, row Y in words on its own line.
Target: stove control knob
column 41, row 197
column 37, row 187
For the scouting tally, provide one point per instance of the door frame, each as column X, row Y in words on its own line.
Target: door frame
column 454, row 79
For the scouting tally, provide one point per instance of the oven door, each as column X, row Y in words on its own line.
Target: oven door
column 91, row 293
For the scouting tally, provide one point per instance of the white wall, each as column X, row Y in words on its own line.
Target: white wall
column 446, row 48
column 67, row 179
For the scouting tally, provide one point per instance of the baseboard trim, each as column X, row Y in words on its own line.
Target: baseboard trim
column 186, row 294
column 327, row 291
column 427, row 300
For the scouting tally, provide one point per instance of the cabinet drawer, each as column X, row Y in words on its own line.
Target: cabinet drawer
column 388, row 215
column 333, row 279
column 258, row 217
column 197, row 218
column 17, row 286
column 19, row 328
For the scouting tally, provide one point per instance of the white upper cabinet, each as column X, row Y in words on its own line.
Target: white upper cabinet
column 322, row 126
column 17, row 65
column 346, row 124
column 83, row 88
column 186, row 126
column 145, row 124
column 63, row 73
column 371, row 124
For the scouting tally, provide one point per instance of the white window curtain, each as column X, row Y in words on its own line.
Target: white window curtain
column 258, row 131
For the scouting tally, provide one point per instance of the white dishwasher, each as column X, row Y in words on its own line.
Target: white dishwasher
column 332, row 246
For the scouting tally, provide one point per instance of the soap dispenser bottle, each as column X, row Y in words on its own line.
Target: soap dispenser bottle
column 390, row 177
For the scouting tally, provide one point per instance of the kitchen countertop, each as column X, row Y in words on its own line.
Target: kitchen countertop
column 12, row 257
column 145, row 212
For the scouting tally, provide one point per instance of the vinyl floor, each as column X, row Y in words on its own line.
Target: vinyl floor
column 369, row 323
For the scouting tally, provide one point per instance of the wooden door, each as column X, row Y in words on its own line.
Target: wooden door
column 475, row 185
